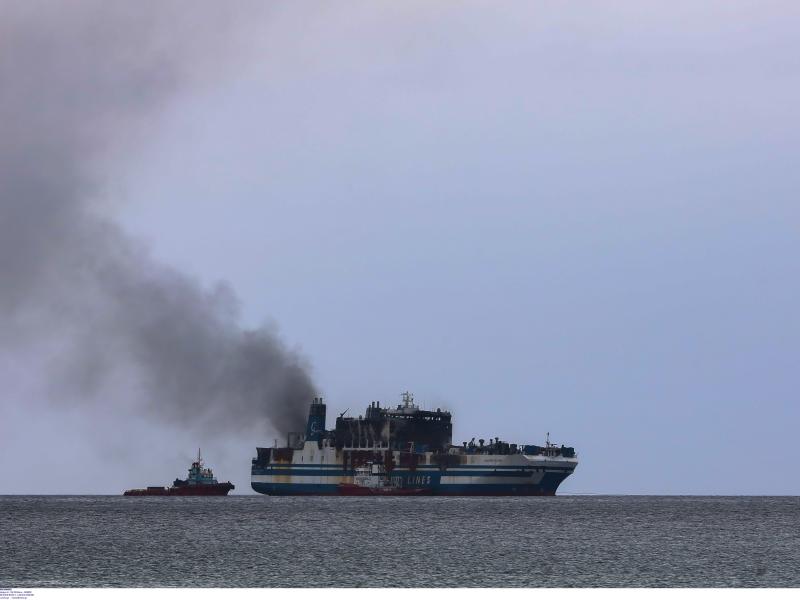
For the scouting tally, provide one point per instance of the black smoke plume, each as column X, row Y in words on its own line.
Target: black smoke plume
column 91, row 312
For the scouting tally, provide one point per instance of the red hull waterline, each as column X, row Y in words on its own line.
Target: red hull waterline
column 220, row 489
column 347, row 489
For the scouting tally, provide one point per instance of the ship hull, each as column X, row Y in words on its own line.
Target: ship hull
column 475, row 489
column 311, row 471
column 219, row 489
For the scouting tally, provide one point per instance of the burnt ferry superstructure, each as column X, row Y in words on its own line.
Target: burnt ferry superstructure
column 414, row 450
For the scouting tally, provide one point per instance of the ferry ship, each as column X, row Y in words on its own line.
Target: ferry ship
column 414, row 448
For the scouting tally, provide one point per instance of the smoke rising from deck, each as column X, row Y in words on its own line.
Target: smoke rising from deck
column 84, row 306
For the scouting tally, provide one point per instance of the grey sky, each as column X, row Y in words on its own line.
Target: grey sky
column 544, row 217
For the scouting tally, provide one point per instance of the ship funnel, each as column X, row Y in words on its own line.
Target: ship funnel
column 316, row 420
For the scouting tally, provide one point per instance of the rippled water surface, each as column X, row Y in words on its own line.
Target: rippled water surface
column 263, row 541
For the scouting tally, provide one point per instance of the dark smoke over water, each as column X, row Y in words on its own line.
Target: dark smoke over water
column 82, row 305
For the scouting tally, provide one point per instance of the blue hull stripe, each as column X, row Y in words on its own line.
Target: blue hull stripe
column 547, row 487
column 279, row 466
column 490, row 472
column 418, row 467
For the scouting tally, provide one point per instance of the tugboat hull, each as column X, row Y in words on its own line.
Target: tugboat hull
column 220, row 489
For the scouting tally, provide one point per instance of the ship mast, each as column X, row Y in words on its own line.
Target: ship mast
column 408, row 399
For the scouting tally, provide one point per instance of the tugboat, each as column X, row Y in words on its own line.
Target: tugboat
column 201, row 482
column 371, row 480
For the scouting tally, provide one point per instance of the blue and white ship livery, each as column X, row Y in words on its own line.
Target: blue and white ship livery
column 416, row 451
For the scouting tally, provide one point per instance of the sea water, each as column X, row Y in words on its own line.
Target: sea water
column 261, row 541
